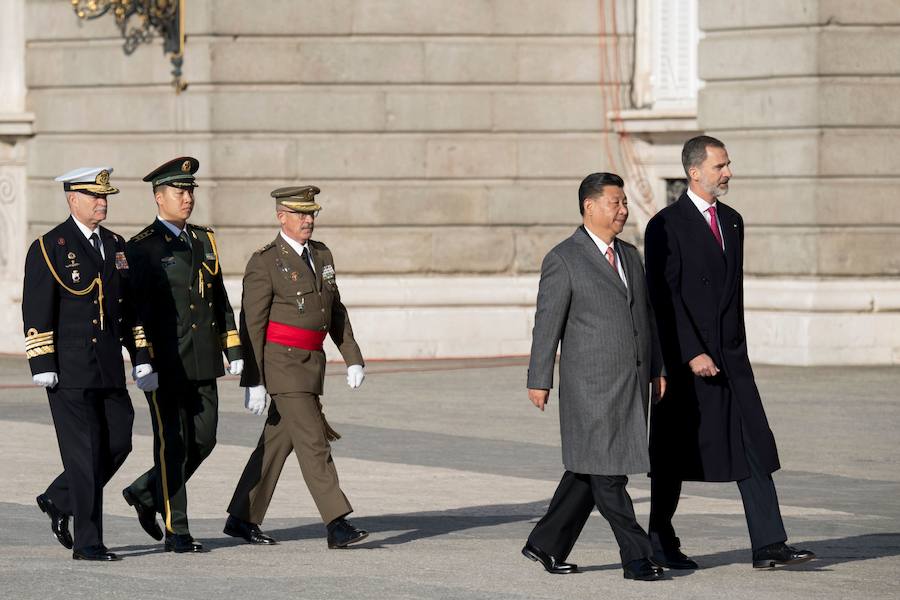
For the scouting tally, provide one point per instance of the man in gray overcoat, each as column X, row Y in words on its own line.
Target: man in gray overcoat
column 593, row 298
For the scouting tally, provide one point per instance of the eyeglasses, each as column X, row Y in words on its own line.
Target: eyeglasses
column 312, row 214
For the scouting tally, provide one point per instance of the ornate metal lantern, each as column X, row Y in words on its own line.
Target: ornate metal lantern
column 160, row 17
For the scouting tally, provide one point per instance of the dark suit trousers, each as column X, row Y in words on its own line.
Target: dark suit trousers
column 93, row 429
column 757, row 493
column 575, row 498
column 184, row 417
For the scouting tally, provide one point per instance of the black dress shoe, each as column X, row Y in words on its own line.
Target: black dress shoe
column 99, row 553
column 551, row 565
column 341, row 534
column 59, row 523
column 249, row 531
column 146, row 515
column 642, row 569
column 669, row 555
column 181, row 543
column 780, row 554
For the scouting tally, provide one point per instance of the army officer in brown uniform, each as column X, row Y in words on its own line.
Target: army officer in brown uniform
column 290, row 303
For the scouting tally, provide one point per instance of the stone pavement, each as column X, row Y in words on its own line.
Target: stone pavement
column 448, row 466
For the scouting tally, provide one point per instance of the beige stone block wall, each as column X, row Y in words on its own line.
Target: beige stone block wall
column 804, row 95
column 448, row 136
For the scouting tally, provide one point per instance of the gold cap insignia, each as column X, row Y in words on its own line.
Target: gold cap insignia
column 186, row 166
column 102, row 178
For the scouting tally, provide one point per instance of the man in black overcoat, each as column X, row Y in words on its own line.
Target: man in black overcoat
column 711, row 425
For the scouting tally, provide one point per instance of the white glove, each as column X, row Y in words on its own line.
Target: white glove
column 46, row 380
column 148, row 383
column 255, row 399
column 236, row 366
column 140, row 371
column 355, row 376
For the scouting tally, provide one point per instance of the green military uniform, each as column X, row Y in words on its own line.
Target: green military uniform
column 287, row 309
column 189, row 323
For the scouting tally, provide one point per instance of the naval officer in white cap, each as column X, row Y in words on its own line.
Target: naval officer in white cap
column 77, row 317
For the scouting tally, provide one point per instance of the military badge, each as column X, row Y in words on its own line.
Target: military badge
column 70, row 256
column 76, row 276
column 61, row 241
column 210, row 256
column 167, row 261
column 301, row 302
column 71, row 264
column 168, row 238
column 186, row 166
column 294, row 275
column 102, row 178
column 328, row 272
column 121, row 261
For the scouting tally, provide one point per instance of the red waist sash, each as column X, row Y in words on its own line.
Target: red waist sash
column 286, row 335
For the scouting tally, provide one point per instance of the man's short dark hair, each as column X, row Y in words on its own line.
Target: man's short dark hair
column 593, row 185
column 694, row 152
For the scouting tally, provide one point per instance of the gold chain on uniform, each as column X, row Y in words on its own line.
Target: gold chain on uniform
column 97, row 282
column 212, row 241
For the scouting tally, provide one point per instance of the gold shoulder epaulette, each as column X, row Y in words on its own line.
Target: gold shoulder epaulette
column 143, row 234
column 202, row 227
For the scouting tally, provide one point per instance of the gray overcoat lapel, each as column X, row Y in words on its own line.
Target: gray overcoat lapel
column 594, row 256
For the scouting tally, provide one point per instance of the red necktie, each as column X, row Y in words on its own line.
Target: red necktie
column 611, row 257
column 714, row 224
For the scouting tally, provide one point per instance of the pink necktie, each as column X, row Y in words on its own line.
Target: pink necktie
column 714, row 224
column 611, row 257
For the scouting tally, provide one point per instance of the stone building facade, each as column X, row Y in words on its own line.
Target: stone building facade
column 449, row 137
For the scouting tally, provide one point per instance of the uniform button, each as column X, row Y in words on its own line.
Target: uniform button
column 93, row 340
column 213, row 323
column 120, row 339
column 95, row 302
column 194, row 326
column 119, row 319
column 210, row 304
column 94, row 321
column 120, row 301
column 289, row 349
column 298, row 293
column 323, row 310
column 192, row 307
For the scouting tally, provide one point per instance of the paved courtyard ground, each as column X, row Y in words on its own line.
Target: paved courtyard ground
column 448, row 466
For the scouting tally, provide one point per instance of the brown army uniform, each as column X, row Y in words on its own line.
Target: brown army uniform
column 279, row 288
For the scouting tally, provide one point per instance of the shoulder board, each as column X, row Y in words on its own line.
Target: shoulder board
column 143, row 234
column 201, row 228
column 264, row 248
column 318, row 245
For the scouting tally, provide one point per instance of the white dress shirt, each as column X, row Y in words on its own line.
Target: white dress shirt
column 603, row 246
column 703, row 206
column 87, row 233
column 298, row 248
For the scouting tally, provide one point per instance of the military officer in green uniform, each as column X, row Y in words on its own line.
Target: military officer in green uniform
column 290, row 303
column 189, row 323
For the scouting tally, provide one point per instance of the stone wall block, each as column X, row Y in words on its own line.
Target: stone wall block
column 580, row 17
column 533, row 244
column 573, row 61
column 470, row 61
column 359, row 156
column 548, row 203
column 440, row 109
column 745, row 54
column 770, row 153
column 471, row 157
column 780, row 251
column 762, row 105
column 380, row 249
column 260, row 157
column 549, row 108
column 473, row 250
column 859, row 251
column 850, row 152
column 317, row 109
column 435, row 17
column 283, row 17
column 561, row 156
column 364, row 61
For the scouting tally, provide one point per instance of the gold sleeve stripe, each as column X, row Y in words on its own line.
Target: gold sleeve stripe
column 49, row 349
column 231, row 339
column 141, row 343
column 139, row 330
column 38, row 342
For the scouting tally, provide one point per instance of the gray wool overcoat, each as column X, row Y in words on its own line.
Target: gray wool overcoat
column 609, row 353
